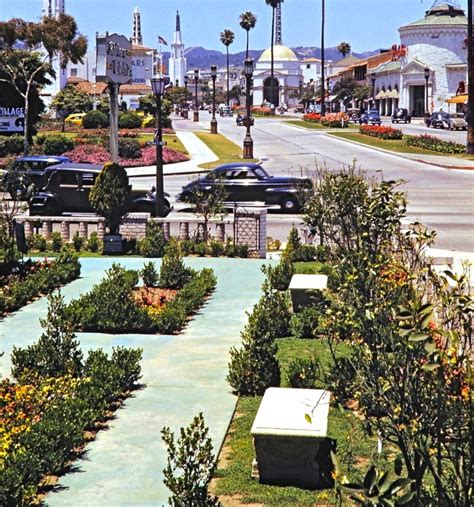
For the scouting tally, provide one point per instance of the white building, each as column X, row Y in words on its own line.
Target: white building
column 177, row 63
column 311, row 69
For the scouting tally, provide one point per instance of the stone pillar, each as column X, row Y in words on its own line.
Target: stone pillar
column 65, row 231
column 184, row 230
column 101, row 230
column 166, row 230
column 220, row 232
column 262, row 237
column 83, row 230
column 201, row 231
column 28, row 229
column 47, row 229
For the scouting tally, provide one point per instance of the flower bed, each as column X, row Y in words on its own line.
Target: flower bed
column 381, row 132
column 435, row 144
column 335, row 120
column 37, row 278
column 261, row 111
column 312, row 117
column 94, row 154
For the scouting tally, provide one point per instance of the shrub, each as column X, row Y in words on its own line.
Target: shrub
column 279, row 276
column 216, row 249
column 273, row 244
column 173, row 273
column 57, row 145
column 150, row 123
column 129, row 148
column 312, row 117
column 304, row 324
column 78, row 241
column 93, row 243
column 293, row 244
column 149, row 275
column 129, row 120
column 95, row 119
column 335, row 120
column 302, row 373
column 153, row 245
column 56, row 241
column 11, row 145
column 435, row 144
column 381, row 132
column 39, row 243
column 190, row 465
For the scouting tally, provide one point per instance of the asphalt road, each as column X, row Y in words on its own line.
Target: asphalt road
column 440, row 198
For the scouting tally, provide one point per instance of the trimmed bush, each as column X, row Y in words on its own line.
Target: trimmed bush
column 11, row 145
column 149, row 275
column 56, row 241
column 173, row 273
column 57, row 145
column 302, row 373
column 280, row 275
column 95, row 119
column 435, row 144
column 304, row 324
column 129, row 148
column 93, row 244
column 78, row 242
column 129, row 120
column 153, row 245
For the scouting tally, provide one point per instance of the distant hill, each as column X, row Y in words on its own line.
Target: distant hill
column 199, row 57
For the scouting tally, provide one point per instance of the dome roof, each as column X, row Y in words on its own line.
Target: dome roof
column 280, row 54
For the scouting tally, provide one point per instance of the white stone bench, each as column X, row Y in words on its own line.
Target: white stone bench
column 289, row 449
column 302, row 289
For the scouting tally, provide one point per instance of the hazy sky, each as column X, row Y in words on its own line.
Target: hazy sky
column 365, row 24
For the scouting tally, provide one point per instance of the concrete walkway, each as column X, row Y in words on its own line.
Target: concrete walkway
column 184, row 374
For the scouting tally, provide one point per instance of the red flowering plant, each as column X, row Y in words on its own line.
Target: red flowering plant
column 381, row 132
column 261, row 111
column 335, row 120
column 312, row 117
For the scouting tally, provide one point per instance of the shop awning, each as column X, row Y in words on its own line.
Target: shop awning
column 392, row 94
column 381, row 95
column 458, row 99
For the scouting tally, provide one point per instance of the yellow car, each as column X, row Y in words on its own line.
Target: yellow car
column 75, row 119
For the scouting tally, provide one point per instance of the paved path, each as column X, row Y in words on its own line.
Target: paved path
column 184, row 375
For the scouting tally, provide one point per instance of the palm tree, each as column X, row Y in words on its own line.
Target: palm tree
column 227, row 38
column 273, row 4
column 323, row 77
column 344, row 48
column 247, row 22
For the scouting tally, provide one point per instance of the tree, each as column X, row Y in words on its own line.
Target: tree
column 227, row 38
column 57, row 36
column 72, row 100
column 247, row 21
column 273, row 4
column 147, row 104
column 343, row 48
column 111, row 195
column 470, row 80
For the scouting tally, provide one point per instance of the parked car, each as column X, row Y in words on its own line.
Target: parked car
column 75, row 119
column 251, row 184
column 242, row 121
column 354, row 114
column 67, row 189
column 400, row 114
column 457, row 121
column 371, row 117
column 226, row 111
column 438, row 119
column 27, row 174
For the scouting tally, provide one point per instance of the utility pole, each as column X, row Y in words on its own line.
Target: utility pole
column 470, row 79
column 323, row 91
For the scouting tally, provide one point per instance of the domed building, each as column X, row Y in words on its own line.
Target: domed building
column 286, row 73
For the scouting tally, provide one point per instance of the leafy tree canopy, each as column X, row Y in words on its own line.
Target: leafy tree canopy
column 72, row 100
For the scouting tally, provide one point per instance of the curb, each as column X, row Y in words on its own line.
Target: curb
column 401, row 155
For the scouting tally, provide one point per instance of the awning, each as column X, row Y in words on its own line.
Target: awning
column 392, row 94
column 381, row 95
column 458, row 99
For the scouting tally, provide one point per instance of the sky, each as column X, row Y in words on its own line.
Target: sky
column 365, row 24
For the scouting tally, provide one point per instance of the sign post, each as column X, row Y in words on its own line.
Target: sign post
column 114, row 67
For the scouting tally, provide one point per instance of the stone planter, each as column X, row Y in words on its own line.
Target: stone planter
column 113, row 244
column 304, row 289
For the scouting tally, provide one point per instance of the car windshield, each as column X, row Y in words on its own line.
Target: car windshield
column 441, row 115
column 261, row 173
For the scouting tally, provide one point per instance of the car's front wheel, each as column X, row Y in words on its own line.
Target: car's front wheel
column 290, row 204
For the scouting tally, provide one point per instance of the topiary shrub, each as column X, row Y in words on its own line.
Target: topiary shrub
column 173, row 273
column 280, row 275
column 57, row 145
column 93, row 244
column 56, row 241
column 77, row 242
column 302, row 373
column 304, row 324
column 95, row 119
column 149, row 275
column 129, row 120
column 129, row 149
column 39, row 243
column 153, row 245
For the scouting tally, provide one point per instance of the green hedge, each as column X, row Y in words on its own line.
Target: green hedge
column 11, row 145
column 435, row 144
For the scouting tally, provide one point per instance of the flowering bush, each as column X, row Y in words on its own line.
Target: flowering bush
column 435, row 144
column 381, row 132
column 312, row 117
column 93, row 154
column 335, row 120
column 261, row 111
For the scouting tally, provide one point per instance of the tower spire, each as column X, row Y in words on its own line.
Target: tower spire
column 53, row 8
column 137, row 28
column 278, row 38
column 178, row 22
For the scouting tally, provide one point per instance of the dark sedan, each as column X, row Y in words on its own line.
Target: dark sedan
column 401, row 114
column 251, row 184
column 371, row 117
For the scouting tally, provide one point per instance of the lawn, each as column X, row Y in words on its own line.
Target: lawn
column 226, row 150
column 395, row 145
column 315, row 126
column 232, row 478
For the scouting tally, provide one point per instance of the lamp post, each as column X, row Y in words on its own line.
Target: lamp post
column 158, row 82
column 372, row 78
column 213, row 121
column 300, row 87
column 427, row 76
column 185, row 111
column 248, row 141
column 196, row 110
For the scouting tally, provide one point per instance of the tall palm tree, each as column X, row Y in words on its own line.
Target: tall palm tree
column 344, row 48
column 227, row 38
column 247, row 22
column 273, row 4
column 470, row 96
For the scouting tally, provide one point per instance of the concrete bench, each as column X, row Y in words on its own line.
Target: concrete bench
column 302, row 289
column 289, row 449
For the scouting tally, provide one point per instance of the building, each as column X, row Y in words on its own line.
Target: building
column 311, row 70
column 137, row 38
column 177, row 63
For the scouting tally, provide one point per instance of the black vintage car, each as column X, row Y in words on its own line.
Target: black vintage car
column 68, row 187
column 400, row 115
column 248, row 183
column 241, row 121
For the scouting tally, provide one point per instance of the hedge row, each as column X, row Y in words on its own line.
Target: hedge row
column 435, row 144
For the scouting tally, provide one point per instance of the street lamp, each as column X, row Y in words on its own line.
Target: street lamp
column 301, row 86
column 372, row 78
column 213, row 121
column 196, row 110
column 427, row 76
column 185, row 110
column 248, row 141
column 158, row 83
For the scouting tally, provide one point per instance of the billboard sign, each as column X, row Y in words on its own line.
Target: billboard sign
column 12, row 119
column 114, row 59
column 142, row 68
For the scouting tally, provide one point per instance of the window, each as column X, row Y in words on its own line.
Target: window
column 74, row 72
column 68, row 178
column 308, row 65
